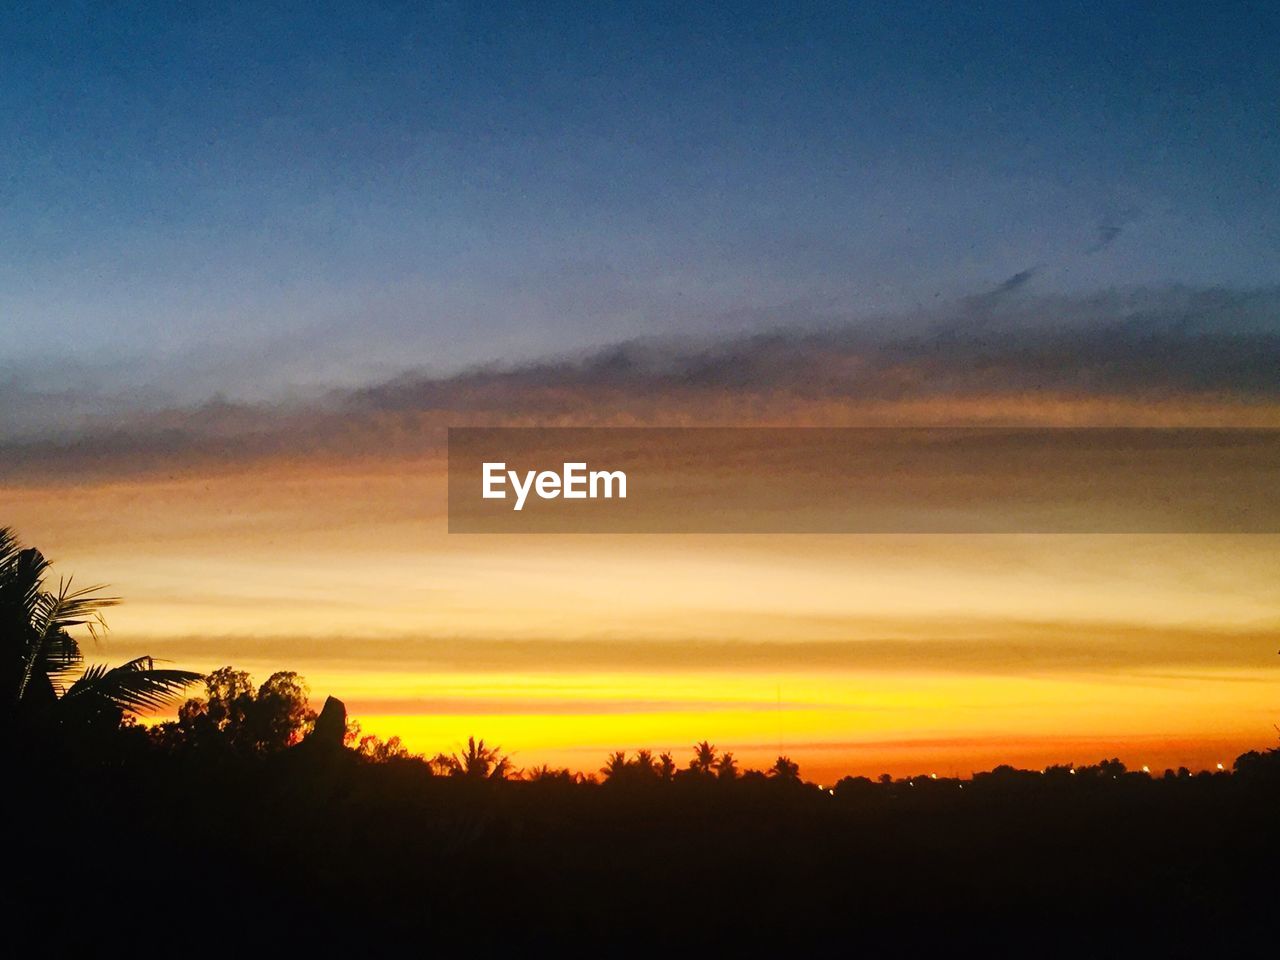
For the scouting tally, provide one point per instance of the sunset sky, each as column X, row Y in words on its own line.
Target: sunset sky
column 257, row 262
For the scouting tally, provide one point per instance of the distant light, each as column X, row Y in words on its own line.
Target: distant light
column 1073, row 769
column 1145, row 768
column 933, row 776
column 1220, row 767
column 832, row 792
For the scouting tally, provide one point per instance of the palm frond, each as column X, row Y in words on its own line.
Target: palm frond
column 52, row 615
column 21, row 579
column 72, row 608
column 8, row 545
column 59, row 659
column 136, row 686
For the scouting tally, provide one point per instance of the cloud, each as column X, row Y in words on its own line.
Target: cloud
column 571, row 705
column 1159, row 348
column 1107, row 234
column 1145, row 343
column 1017, row 281
column 976, row 309
column 1110, row 229
column 973, row 646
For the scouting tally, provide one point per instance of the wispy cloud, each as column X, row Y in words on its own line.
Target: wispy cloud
column 1107, row 234
column 959, row 645
column 1164, row 349
column 1109, row 229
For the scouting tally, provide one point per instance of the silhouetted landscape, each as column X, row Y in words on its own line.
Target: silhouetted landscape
column 640, row 478
column 251, row 812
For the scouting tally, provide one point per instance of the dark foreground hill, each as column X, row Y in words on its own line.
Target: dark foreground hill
column 326, row 849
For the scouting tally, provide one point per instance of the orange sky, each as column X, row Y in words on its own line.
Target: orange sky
column 859, row 654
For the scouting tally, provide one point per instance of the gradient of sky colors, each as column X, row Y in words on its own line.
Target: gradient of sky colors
column 253, row 262
column 203, row 199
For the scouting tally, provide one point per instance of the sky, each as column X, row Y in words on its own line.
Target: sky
column 276, row 197
column 254, row 261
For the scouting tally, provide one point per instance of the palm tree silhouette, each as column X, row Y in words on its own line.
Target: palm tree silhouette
column 39, row 655
column 644, row 764
column 785, row 770
column 726, row 767
column 615, row 766
column 545, row 773
column 704, row 757
column 479, row 762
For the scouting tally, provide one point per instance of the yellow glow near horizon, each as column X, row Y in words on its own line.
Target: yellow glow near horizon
column 848, row 653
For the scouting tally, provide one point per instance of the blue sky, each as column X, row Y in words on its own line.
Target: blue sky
column 303, row 194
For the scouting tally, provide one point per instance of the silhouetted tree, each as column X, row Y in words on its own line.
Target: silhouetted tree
column 39, row 656
column 228, row 698
column 615, row 766
column 854, row 788
column 726, row 766
column 549, row 774
column 372, row 747
column 281, row 713
column 233, row 714
column 642, row 769
column 477, row 762
column 704, row 758
column 644, row 764
column 785, row 770
column 1112, row 768
column 1256, row 767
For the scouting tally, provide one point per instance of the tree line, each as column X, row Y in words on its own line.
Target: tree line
column 52, row 692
